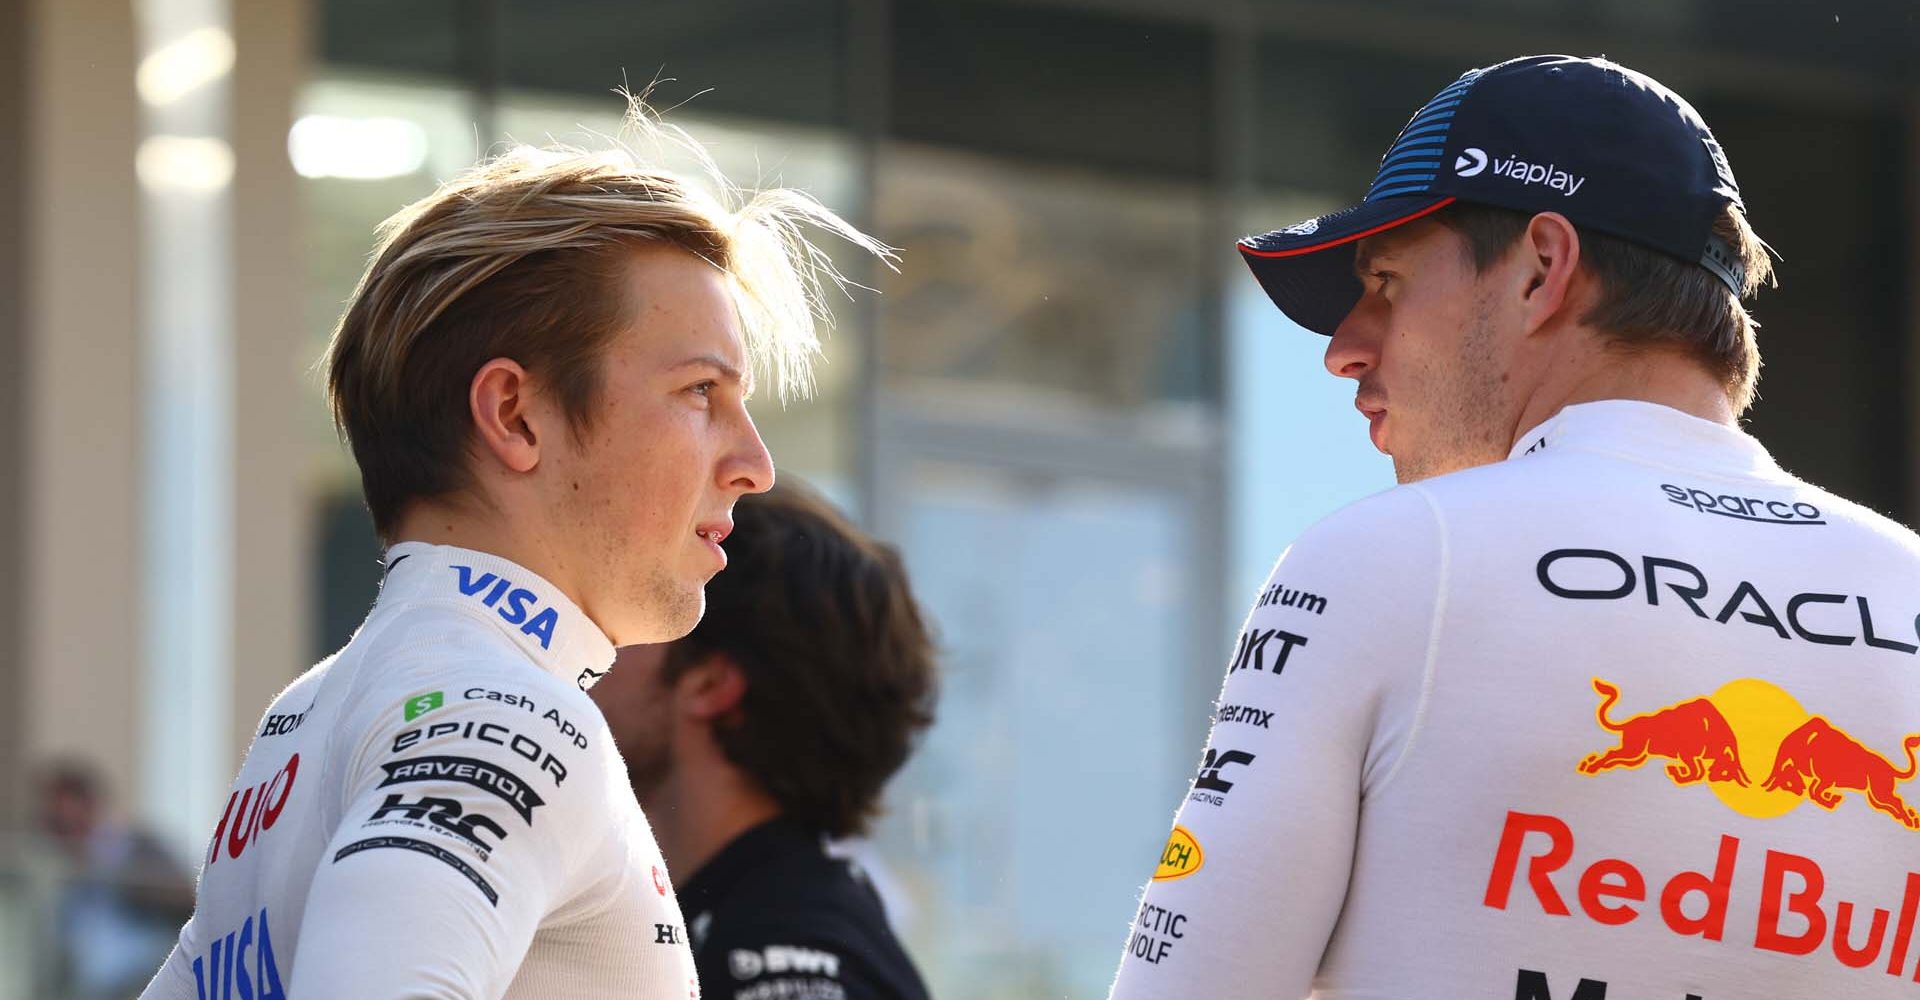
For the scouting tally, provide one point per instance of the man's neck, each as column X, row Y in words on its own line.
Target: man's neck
column 1649, row 376
column 468, row 526
column 696, row 815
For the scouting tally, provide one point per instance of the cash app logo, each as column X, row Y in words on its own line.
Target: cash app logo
column 421, row 704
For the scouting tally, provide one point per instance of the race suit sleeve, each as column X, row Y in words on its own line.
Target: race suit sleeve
column 466, row 822
column 1320, row 703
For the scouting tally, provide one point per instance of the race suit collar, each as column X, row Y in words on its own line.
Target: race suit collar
column 1648, row 432
column 531, row 612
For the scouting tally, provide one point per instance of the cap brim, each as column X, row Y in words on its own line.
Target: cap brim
column 1307, row 268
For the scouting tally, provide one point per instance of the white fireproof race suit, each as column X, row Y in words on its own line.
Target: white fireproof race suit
column 1628, row 716
column 437, row 811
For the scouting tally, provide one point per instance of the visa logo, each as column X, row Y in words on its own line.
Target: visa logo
column 229, row 972
column 514, row 604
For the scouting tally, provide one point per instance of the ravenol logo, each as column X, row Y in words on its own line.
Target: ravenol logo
column 1750, row 727
column 421, row 704
column 1181, row 858
column 1470, row 162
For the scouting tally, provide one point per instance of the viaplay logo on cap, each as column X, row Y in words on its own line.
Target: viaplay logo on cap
column 1472, row 162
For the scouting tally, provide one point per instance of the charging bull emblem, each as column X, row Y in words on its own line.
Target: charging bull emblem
column 1752, row 722
column 1820, row 761
column 1691, row 734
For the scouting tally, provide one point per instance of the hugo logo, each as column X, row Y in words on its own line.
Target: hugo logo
column 513, row 604
column 253, row 811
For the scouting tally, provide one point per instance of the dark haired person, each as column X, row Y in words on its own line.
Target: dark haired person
column 543, row 377
column 1600, row 702
column 773, row 725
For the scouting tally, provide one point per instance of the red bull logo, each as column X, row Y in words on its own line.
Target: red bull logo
column 1693, row 734
column 1750, row 727
column 1819, row 761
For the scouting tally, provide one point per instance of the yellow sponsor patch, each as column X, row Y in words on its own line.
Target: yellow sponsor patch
column 1182, row 857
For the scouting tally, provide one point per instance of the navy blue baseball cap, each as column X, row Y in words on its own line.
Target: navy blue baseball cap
column 1609, row 148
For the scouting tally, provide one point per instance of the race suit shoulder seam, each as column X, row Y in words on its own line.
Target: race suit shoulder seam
column 1428, row 668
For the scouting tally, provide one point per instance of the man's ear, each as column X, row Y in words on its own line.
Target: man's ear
column 506, row 425
column 1550, row 259
column 711, row 689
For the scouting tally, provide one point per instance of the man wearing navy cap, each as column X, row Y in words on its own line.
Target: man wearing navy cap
column 1600, row 702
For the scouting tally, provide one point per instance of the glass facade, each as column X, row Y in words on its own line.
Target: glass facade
column 1089, row 433
column 1086, row 428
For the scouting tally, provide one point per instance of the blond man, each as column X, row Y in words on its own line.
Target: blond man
column 543, row 377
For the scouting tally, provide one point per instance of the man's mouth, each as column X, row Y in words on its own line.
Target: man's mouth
column 713, row 533
column 1376, row 415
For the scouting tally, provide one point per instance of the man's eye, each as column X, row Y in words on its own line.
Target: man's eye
column 703, row 388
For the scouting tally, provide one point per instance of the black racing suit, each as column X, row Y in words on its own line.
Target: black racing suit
column 774, row 917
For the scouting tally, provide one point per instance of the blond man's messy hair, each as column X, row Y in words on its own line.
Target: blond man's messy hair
column 523, row 256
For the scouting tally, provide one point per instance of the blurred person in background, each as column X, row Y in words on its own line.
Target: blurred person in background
column 543, row 377
column 773, row 726
column 121, row 894
column 1601, row 702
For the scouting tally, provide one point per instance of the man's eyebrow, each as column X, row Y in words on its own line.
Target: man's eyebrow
column 726, row 369
column 1364, row 256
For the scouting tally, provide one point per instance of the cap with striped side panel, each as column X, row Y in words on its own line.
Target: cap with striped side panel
column 1414, row 160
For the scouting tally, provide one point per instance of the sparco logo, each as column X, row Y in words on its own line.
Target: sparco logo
column 1473, row 162
column 1744, row 508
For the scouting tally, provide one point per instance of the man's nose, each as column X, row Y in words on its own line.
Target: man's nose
column 1354, row 348
column 750, row 467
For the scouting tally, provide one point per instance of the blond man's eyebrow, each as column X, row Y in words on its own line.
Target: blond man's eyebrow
column 726, row 369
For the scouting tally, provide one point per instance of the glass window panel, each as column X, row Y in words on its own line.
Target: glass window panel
column 770, row 59
column 1070, row 86
column 352, row 180
column 1325, row 115
column 1834, row 395
column 1025, row 824
column 1299, row 450
column 1071, row 284
column 413, row 37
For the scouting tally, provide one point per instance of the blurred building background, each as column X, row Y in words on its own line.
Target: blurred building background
column 1071, row 407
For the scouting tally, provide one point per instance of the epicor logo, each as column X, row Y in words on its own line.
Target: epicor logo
column 1181, row 858
column 1750, row 727
column 1470, row 162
